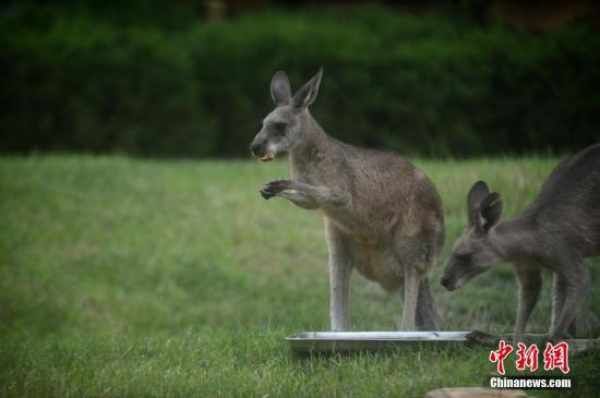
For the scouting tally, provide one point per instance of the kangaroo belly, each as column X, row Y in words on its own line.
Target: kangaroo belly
column 378, row 264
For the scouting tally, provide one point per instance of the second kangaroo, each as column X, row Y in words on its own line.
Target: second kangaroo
column 382, row 215
column 557, row 231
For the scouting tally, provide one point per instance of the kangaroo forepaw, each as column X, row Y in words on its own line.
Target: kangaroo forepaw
column 274, row 187
column 266, row 194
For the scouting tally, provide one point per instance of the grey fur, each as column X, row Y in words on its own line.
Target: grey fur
column 382, row 215
column 556, row 231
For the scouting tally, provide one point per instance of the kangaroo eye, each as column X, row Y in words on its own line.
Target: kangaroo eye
column 279, row 128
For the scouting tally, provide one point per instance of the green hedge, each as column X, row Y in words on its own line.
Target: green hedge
column 431, row 85
column 83, row 86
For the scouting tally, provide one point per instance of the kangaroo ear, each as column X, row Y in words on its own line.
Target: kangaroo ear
column 280, row 88
column 308, row 93
column 478, row 192
column 491, row 210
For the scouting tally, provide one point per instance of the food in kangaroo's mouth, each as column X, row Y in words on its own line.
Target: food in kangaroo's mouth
column 266, row 158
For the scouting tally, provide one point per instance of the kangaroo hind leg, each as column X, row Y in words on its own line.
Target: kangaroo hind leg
column 427, row 316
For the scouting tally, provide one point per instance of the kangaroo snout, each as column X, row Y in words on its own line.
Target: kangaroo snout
column 260, row 150
column 257, row 150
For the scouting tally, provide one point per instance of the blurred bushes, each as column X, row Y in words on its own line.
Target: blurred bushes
column 83, row 86
column 431, row 84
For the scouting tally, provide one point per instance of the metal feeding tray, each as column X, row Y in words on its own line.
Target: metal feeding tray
column 339, row 342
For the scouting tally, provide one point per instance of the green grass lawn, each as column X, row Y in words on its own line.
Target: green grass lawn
column 123, row 277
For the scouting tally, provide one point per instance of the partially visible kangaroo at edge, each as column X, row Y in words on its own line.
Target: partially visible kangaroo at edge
column 382, row 215
column 557, row 231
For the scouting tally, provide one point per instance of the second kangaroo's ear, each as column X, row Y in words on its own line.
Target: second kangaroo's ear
column 308, row 93
column 491, row 210
column 280, row 88
column 478, row 192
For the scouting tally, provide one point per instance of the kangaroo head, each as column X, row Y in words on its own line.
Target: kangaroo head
column 475, row 251
column 282, row 129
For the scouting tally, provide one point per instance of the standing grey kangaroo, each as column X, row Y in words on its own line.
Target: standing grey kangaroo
column 557, row 231
column 382, row 215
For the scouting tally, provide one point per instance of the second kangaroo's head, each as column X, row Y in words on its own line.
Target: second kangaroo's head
column 475, row 252
column 282, row 129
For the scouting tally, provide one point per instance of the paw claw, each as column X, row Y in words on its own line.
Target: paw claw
column 266, row 194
